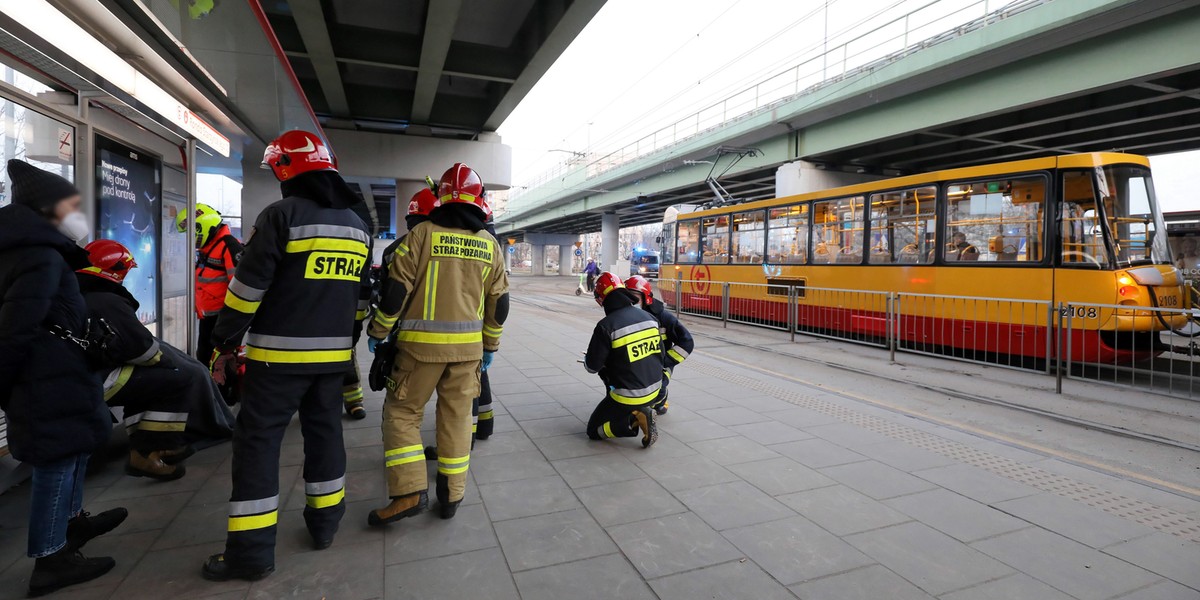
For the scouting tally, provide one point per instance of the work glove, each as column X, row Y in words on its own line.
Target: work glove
column 487, row 360
column 222, row 363
column 372, row 344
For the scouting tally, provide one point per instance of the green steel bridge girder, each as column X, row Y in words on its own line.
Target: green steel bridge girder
column 876, row 106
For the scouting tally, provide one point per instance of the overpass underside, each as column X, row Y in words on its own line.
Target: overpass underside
column 1062, row 78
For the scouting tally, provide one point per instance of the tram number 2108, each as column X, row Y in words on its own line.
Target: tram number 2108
column 1080, row 312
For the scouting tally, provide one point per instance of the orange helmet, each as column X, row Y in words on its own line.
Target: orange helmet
column 297, row 152
column 606, row 283
column 641, row 285
column 109, row 259
column 423, row 202
column 461, row 183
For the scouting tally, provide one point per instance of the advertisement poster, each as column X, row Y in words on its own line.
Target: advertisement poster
column 129, row 184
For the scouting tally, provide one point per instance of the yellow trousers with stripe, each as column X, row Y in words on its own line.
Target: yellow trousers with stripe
column 457, row 385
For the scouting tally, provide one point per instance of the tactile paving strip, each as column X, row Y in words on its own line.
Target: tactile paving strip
column 1150, row 515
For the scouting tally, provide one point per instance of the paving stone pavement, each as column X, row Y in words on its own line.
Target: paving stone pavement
column 746, row 495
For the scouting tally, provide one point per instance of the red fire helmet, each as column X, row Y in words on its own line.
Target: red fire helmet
column 423, row 202
column 606, row 283
column 109, row 259
column 297, row 152
column 641, row 285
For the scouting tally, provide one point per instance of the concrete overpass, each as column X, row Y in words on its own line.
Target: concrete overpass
column 1035, row 78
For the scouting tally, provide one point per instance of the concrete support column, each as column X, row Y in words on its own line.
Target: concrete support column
column 566, row 257
column 610, row 226
column 538, row 259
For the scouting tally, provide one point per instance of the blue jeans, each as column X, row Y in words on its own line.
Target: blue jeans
column 56, row 497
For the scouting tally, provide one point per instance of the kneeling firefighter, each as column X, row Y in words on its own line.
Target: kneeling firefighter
column 626, row 351
column 677, row 340
column 168, row 397
column 449, row 292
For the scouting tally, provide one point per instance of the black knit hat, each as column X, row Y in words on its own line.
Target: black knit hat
column 37, row 189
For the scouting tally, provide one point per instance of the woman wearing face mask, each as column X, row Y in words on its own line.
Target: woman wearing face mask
column 52, row 400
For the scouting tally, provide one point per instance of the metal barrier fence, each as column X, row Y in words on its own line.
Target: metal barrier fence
column 759, row 304
column 1148, row 349
column 853, row 315
column 1118, row 345
column 1009, row 333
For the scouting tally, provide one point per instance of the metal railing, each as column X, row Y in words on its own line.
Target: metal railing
column 872, row 47
column 1149, row 349
column 997, row 331
column 1127, row 352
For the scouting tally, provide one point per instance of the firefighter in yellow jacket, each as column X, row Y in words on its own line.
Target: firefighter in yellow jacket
column 448, row 289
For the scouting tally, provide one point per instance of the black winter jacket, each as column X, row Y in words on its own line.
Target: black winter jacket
column 109, row 300
column 50, row 396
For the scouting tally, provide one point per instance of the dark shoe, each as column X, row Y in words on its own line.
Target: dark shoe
column 322, row 544
column 644, row 417
column 661, row 409
column 86, row 527
column 356, row 410
column 447, row 510
column 63, row 568
column 402, row 507
column 152, row 466
column 479, row 435
column 430, row 452
column 216, row 569
column 178, row 455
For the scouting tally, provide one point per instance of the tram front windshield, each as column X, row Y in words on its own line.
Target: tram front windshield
column 1135, row 224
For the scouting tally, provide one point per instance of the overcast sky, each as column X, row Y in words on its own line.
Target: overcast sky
column 642, row 65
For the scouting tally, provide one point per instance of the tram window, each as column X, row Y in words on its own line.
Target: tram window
column 787, row 235
column 716, row 240
column 1082, row 232
column 995, row 221
column 838, row 231
column 903, row 224
column 748, row 238
column 688, row 242
column 668, row 243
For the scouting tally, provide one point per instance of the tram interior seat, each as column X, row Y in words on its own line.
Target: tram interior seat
column 849, row 256
column 909, row 255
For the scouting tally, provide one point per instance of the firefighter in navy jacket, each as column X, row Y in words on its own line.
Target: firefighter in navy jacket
column 626, row 351
column 296, row 291
column 677, row 340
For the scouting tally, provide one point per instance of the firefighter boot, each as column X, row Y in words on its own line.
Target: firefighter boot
column 446, row 508
column 63, row 568
column 85, row 527
column 352, row 399
column 644, row 417
column 178, row 455
column 661, row 407
column 152, row 466
column 218, row 569
column 400, row 507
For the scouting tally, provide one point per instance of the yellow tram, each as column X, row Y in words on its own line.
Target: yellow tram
column 1082, row 229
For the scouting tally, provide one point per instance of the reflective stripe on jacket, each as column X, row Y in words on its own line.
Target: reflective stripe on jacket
column 453, row 280
column 627, row 346
column 297, row 288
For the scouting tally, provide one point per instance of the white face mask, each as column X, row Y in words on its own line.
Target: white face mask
column 75, row 226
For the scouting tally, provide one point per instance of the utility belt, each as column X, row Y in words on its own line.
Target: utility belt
column 381, row 367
